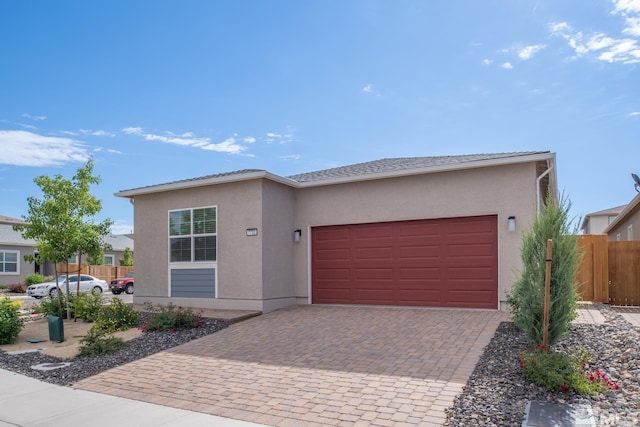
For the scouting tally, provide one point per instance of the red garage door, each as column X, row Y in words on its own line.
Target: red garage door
column 450, row 262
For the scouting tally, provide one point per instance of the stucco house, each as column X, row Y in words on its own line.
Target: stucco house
column 626, row 225
column 596, row 222
column 425, row 231
column 13, row 248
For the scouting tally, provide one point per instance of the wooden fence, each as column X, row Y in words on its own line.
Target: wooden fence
column 104, row 272
column 610, row 271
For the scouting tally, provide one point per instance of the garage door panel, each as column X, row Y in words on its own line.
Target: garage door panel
column 441, row 262
column 373, row 274
column 381, row 253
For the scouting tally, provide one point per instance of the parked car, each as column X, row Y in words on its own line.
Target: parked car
column 121, row 284
column 87, row 284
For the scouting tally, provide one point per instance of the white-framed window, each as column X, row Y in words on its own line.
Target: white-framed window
column 630, row 232
column 108, row 260
column 612, row 218
column 193, row 235
column 9, row 262
column 73, row 259
column 618, row 237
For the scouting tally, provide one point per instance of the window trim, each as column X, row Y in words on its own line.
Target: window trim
column 11, row 273
column 630, row 232
column 113, row 260
column 191, row 237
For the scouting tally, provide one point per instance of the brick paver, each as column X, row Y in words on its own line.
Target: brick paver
column 317, row 365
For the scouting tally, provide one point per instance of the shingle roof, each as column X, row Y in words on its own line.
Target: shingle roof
column 401, row 164
column 367, row 170
column 9, row 220
column 10, row 237
column 201, row 178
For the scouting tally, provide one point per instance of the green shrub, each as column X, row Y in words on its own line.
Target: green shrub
column 527, row 297
column 170, row 317
column 86, row 305
column 49, row 306
column 116, row 316
column 34, row 279
column 10, row 321
column 97, row 342
column 561, row 372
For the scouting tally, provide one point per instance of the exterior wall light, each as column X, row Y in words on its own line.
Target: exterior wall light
column 511, row 223
column 297, row 234
column 252, row 232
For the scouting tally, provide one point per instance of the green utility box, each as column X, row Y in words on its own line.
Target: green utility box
column 56, row 328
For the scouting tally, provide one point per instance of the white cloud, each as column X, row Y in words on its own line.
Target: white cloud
column 291, row 157
column 367, row 89
column 280, row 138
column 132, row 131
column 487, row 61
column 507, row 66
column 121, row 227
column 95, row 132
column 36, row 118
column 527, row 52
column 188, row 139
column 249, row 140
column 634, row 114
column 606, row 47
column 22, row 148
column 107, row 150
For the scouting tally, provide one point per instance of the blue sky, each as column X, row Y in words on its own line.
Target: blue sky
column 158, row 91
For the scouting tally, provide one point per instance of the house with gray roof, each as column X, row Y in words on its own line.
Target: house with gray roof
column 597, row 222
column 423, row 232
column 13, row 248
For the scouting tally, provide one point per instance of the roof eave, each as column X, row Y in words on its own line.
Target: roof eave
column 622, row 215
column 432, row 169
column 204, row 182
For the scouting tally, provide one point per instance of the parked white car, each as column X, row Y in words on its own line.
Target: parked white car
column 87, row 284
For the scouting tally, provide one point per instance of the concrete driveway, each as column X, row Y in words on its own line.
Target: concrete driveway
column 317, row 365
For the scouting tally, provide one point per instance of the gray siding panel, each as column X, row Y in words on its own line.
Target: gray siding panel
column 193, row 283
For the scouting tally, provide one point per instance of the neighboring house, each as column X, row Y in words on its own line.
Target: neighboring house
column 426, row 231
column 596, row 222
column 13, row 248
column 626, row 226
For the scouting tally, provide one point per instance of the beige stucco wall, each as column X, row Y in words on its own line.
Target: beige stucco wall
column 239, row 259
column 597, row 224
column 633, row 219
column 278, row 205
column 501, row 190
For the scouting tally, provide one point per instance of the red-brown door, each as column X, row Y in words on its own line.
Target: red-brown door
column 448, row 262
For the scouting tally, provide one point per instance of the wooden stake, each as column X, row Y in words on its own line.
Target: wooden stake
column 547, row 297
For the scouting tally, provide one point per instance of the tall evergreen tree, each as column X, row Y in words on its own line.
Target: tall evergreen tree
column 527, row 297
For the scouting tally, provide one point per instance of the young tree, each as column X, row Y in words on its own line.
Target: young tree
column 527, row 297
column 62, row 222
column 127, row 258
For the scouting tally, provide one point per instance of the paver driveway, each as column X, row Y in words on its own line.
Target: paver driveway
column 317, row 365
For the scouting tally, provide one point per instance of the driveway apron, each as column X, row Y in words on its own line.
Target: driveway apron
column 317, row 365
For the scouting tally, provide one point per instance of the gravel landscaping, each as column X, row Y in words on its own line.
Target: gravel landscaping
column 496, row 393
column 83, row 367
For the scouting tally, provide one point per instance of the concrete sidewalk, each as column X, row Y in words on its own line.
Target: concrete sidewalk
column 25, row 401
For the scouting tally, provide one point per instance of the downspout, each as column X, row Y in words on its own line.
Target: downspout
column 538, row 179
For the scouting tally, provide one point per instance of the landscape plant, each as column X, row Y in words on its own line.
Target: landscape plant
column 527, row 297
column 557, row 371
column 10, row 321
column 34, row 279
column 127, row 258
column 169, row 317
column 17, row 288
column 97, row 342
column 116, row 316
column 86, row 305
column 62, row 221
column 54, row 306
